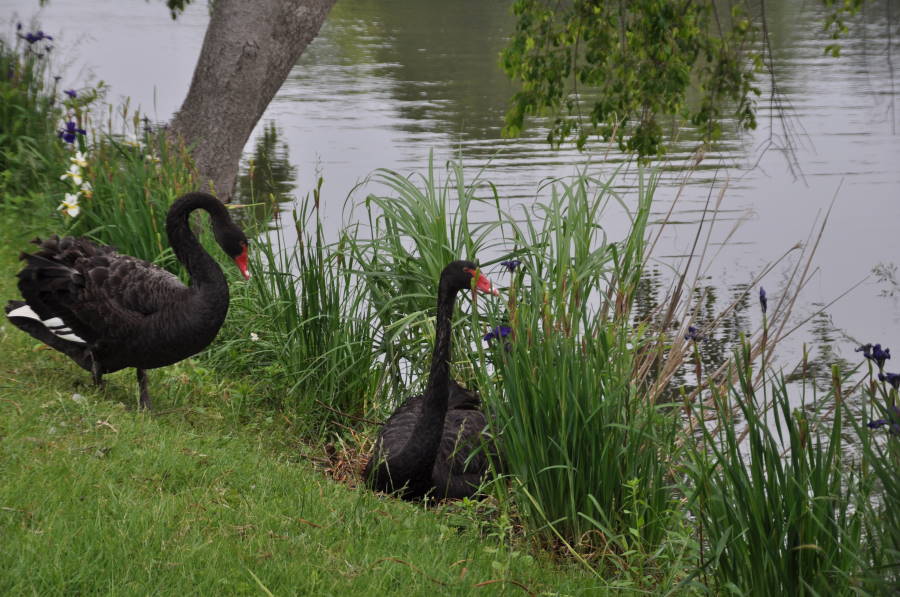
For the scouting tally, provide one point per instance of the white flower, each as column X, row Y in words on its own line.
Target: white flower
column 254, row 337
column 73, row 173
column 79, row 160
column 70, row 205
column 152, row 159
column 87, row 189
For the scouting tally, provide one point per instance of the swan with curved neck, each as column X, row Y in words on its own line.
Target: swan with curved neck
column 108, row 311
column 427, row 444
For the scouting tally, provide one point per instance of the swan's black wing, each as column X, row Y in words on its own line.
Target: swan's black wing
column 462, row 461
column 99, row 294
column 392, row 437
column 462, row 399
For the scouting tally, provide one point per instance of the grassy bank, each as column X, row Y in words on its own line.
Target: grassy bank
column 98, row 498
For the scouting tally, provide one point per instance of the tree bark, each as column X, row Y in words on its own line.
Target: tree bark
column 248, row 51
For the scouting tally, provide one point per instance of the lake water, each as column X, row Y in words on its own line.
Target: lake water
column 386, row 82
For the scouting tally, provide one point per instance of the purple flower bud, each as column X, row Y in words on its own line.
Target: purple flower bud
column 511, row 265
column 501, row 331
column 877, row 424
column 693, row 334
column 18, row 26
column 71, row 93
column 763, row 301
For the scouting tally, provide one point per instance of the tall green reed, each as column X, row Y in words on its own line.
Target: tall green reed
column 879, row 443
column 782, row 506
column 587, row 451
column 303, row 324
column 31, row 155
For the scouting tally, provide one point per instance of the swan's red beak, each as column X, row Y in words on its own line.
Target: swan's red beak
column 241, row 261
column 484, row 285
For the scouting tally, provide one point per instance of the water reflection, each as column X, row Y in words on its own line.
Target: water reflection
column 267, row 177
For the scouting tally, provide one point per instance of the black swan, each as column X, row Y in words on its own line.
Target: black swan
column 108, row 311
column 427, row 444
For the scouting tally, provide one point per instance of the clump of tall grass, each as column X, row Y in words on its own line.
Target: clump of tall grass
column 303, row 324
column 878, row 431
column 782, row 507
column 31, row 155
column 586, row 448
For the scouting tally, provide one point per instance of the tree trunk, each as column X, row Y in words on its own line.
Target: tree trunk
column 247, row 53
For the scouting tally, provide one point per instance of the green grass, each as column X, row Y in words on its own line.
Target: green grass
column 97, row 497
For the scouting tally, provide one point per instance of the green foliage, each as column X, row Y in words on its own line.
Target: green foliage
column 586, row 450
column 31, row 155
column 303, row 325
column 836, row 21
column 629, row 65
column 782, row 511
column 880, row 450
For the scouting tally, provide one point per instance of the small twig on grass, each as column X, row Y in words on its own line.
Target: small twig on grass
column 310, row 523
column 106, row 423
column 14, row 403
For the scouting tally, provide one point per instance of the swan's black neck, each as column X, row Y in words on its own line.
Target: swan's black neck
column 204, row 271
column 439, row 376
column 414, row 462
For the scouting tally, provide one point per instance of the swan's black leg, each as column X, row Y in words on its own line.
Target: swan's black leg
column 96, row 374
column 145, row 393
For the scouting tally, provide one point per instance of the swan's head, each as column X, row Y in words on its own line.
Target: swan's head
column 462, row 275
column 234, row 243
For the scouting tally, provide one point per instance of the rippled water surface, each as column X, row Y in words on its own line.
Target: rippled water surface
column 387, row 82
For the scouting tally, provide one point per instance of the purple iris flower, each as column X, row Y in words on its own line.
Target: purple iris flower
column 875, row 353
column 693, row 334
column 511, row 265
column 891, row 378
column 71, row 93
column 71, row 132
column 763, row 301
column 501, row 331
column 36, row 37
column 876, row 424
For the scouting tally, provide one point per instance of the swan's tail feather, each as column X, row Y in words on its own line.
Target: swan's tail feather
column 52, row 331
column 46, row 275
